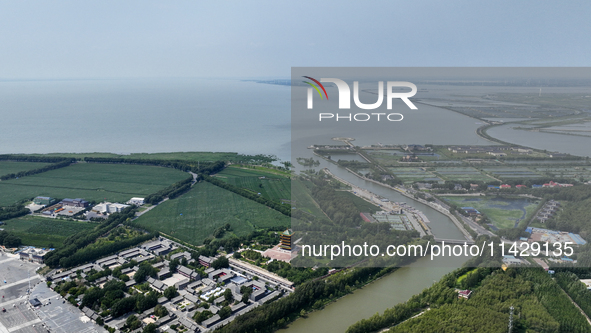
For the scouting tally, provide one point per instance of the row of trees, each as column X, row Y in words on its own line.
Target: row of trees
column 92, row 253
column 577, row 290
column 340, row 209
column 14, row 211
column 171, row 191
column 35, row 158
column 65, row 255
column 9, row 239
column 282, row 208
column 59, row 165
column 186, row 166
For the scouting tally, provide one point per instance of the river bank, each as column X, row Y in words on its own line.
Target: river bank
column 385, row 292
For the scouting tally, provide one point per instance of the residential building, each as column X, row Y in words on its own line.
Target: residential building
column 205, row 261
column 188, row 273
column 464, row 294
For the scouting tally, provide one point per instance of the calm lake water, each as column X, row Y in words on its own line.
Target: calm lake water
column 576, row 145
column 147, row 115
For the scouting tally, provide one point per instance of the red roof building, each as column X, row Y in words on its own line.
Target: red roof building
column 464, row 293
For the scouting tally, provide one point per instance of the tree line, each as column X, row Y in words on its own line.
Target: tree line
column 186, row 166
column 35, row 158
column 9, row 239
column 171, row 191
column 78, row 241
column 89, row 254
column 10, row 212
column 577, row 290
column 46, row 168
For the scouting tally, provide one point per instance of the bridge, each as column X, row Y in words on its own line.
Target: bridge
column 455, row 241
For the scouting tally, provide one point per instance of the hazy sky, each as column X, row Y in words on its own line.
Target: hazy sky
column 92, row 39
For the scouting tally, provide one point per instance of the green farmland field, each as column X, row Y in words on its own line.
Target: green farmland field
column 269, row 185
column 8, row 167
column 205, row 208
column 504, row 212
column 302, row 198
column 43, row 231
column 90, row 181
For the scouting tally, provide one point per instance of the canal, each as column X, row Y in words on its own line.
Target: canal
column 384, row 293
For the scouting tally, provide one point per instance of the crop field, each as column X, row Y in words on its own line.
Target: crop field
column 90, row 181
column 410, row 175
column 360, row 204
column 302, row 198
column 503, row 212
column 269, row 185
column 8, row 167
column 195, row 215
column 566, row 172
column 43, row 231
column 512, row 172
column 386, row 157
column 462, row 174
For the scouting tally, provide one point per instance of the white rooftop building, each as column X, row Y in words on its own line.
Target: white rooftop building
column 109, row 208
column 136, row 201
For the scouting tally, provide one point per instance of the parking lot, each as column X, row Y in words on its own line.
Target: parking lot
column 59, row 316
column 51, row 316
column 15, row 276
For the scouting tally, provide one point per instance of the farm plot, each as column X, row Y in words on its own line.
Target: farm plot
column 410, row 175
column 462, row 174
column 43, row 231
column 512, row 172
column 302, row 198
column 566, row 172
column 503, row 212
column 195, row 215
column 386, row 157
column 9, row 167
column 269, row 185
column 93, row 182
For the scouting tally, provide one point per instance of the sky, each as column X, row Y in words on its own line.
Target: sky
column 260, row 39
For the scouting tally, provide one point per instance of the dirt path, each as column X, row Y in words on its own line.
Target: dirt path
column 578, row 307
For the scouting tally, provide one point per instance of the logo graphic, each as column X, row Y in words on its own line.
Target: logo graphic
column 315, row 87
column 345, row 98
column 345, row 93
